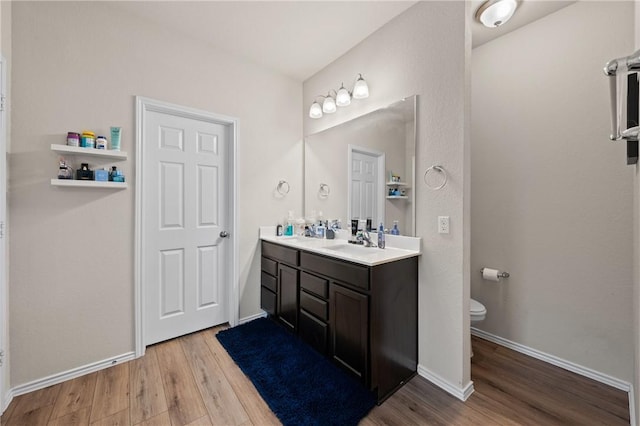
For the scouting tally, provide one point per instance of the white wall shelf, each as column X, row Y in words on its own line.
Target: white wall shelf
column 397, row 184
column 88, row 184
column 397, row 197
column 104, row 153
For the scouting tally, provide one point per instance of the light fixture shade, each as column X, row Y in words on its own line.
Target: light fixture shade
column 494, row 13
column 329, row 105
column 360, row 89
column 315, row 111
column 343, row 97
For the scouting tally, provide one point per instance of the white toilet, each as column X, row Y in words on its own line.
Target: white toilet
column 478, row 313
column 477, row 310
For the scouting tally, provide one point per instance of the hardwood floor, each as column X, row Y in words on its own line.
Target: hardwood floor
column 192, row 381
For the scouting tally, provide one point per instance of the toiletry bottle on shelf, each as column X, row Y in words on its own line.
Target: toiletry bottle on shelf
column 278, row 230
column 395, row 230
column 381, row 236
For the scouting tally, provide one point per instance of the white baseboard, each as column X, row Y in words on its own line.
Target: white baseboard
column 460, row 393
column 554, row 360
column 54, row 379
column 632, row 407
column 252, row 317
column 8, row 397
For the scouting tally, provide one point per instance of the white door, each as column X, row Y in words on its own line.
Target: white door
column 364, row 186
column 3, row 230
column 185, row 260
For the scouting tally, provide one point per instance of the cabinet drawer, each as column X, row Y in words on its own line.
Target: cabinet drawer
column 315, row 285
column 268, row 301
column 281, row 253
column 269, row 266
column 314, row 332
column 312, row 304
column 269, row 281
column 345, row 272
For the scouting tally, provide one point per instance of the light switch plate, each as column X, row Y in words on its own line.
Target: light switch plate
column 443, row 224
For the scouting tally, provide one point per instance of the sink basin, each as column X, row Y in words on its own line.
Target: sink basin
column 354, row 250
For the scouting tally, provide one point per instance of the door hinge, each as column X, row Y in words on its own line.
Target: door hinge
column 3, row 101
column 1, row 358
column 1, row 237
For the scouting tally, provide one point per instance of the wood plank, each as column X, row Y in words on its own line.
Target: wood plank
column 76, row 418
column 161, row 419
column 112, row 392
column 7, row 413
column 34, row 400
column 37, row 416
column 221, row 402
column 74, row 395
column 258, row 410
column 121, row 418
column 183, row 399
column 147, row 398
column 203, row 421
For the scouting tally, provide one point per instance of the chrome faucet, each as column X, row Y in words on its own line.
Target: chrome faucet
column 366, row 238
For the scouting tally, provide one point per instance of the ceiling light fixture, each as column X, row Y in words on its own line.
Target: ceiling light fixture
column 494, row 13
column 330, row 103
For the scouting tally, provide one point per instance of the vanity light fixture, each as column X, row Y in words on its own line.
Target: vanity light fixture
column 494, row 13
column 329, row 104
column 360, row 89
column 341, row 98
column 316, row 110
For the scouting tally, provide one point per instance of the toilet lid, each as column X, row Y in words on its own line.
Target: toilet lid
column 476, row 307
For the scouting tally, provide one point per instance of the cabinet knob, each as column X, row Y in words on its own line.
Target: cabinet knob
column 224, row 234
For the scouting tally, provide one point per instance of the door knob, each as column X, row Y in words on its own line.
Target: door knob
column 224, row 234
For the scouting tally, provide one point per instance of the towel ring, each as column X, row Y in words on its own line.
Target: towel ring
column 283, row 187
column 439, row 169
column 324, row 190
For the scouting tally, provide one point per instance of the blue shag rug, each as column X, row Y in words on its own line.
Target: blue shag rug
column 300, row 386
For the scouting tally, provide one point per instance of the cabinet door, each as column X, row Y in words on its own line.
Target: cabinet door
column 313, row 331
column 349, row 314
column 288, row 296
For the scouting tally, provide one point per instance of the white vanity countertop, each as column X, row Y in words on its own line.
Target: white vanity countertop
column 396, row 247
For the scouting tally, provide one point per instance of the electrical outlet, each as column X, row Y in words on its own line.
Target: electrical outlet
column 443, row 224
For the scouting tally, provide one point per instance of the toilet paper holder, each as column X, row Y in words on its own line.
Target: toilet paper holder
column 500, row 274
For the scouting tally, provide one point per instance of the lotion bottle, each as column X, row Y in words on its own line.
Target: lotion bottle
column 381, row 236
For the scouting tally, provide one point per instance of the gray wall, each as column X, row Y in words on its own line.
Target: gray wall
column 424, row 51
column 551, row 195
column 636, row 259
column 5, row 45
column 78, row 65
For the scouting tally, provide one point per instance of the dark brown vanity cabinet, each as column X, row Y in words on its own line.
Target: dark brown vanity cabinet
column 279, row 283
column 288, row 296
column 350, row 329
column 365, row 318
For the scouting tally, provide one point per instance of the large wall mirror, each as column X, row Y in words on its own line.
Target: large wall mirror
column 365, row 168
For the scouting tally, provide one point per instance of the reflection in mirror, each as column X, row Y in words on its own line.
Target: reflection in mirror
column 368, row 164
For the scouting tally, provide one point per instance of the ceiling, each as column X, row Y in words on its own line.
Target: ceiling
column 299, row 38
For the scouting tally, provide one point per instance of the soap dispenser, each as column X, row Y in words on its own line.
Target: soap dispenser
column 288, row 230
column 395, row 230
